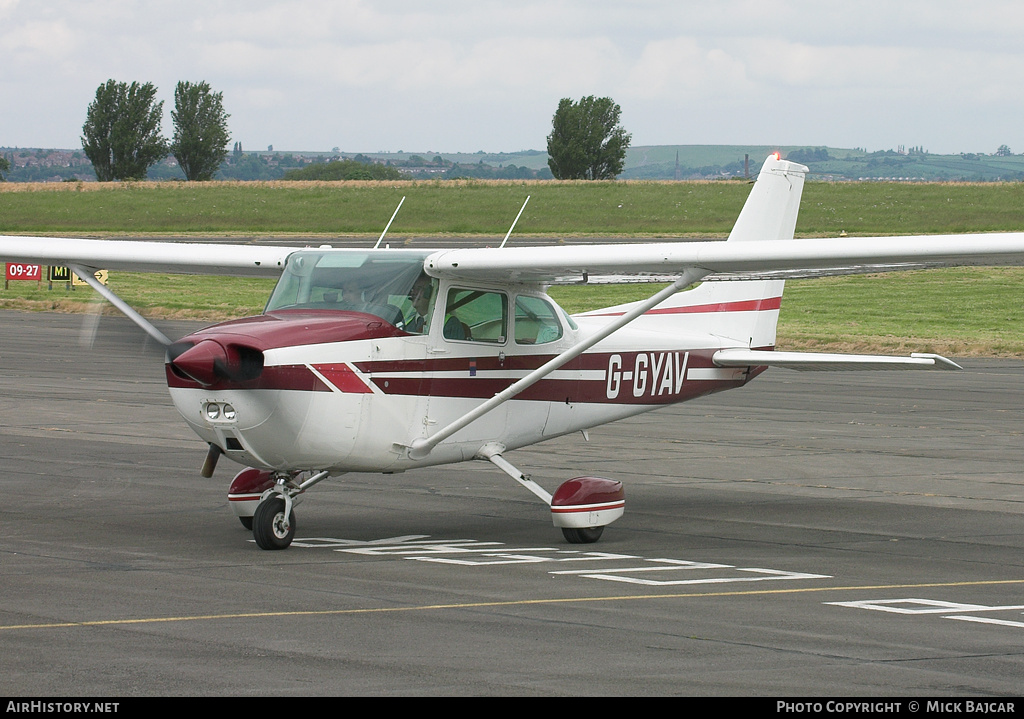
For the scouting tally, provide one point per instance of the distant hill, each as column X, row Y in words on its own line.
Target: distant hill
column 825, row 163
column 652, row 162
column 670, row 162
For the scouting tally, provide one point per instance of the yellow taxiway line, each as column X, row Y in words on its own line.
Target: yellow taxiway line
column 505, row 603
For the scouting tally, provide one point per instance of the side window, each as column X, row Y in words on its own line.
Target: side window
column 536, row 321
column 476, row 316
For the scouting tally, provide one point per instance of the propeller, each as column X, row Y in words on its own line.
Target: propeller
column 90, row 324
column 120, row 304
column 205, row 364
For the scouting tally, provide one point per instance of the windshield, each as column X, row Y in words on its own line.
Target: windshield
column 378, row 282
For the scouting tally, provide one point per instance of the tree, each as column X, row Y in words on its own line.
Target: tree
column 201, row 137
column 5, row 166
column 586, row 140
column 345, row 170
column 1003, row 151
column 121, row 134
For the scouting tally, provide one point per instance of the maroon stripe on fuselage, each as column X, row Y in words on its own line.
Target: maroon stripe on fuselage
column 567, row 391
column 293, row 377
column 664, row 382
column 586, row 361
column 768, row 303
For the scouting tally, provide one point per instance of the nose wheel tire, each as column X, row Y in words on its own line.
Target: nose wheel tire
column 270, row 528
column 586, row 535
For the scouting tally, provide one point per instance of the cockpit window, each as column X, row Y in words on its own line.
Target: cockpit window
column 375, row 282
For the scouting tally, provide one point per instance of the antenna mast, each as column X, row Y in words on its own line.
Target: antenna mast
column 389, row 224
column 514, row 223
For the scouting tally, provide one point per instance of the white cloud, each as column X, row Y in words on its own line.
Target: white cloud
column 685, row 65
column 455, row 74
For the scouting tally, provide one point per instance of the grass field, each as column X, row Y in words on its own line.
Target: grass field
column 968, row 311
column 598, row 209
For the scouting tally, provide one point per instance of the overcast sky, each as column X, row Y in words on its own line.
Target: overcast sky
column 455, row 76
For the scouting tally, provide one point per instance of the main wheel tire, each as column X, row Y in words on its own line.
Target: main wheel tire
column 246, row 522
column 585, row 535
column 269, row 527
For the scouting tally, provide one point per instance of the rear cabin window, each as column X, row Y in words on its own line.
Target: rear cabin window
column 536, row 321
column 476, row 316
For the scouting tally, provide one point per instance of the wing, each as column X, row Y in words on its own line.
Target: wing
column 559, row 264
column 733, row 260
column 134, row 256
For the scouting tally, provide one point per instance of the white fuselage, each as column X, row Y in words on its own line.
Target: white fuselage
column 358, row 404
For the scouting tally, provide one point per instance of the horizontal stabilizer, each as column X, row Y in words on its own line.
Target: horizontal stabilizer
column 826, row 362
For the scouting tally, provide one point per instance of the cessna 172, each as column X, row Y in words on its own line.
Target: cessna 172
column 386, row 360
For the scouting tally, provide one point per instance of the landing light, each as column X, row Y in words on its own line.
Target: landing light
column 219, row 411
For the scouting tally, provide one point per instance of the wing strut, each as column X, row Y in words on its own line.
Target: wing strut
column 492, row 453
column 422, row 446
column 120, row 304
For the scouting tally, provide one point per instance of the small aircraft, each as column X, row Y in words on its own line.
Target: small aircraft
column 387, row 360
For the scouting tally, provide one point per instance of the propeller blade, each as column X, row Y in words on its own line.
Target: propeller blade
column 90, row 325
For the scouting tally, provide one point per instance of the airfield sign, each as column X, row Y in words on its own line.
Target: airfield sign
column 18, row 271
column 23, row 271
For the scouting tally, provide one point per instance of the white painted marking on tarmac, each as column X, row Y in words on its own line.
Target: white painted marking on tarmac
column 606, row 566
column 492, row 558
column 948, row 610
column 628, row 574
column 676, row 564
column 989, row 620
column 914, row 606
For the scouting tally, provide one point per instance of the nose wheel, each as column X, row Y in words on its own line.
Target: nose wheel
column 273, row 526
column 273, row 521
column 582, row 535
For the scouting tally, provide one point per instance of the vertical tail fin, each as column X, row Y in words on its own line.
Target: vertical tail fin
column 771, row 208
column 744, row 312
column 769, row 213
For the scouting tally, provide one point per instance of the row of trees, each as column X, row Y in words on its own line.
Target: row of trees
column 121, row 135
column 586, row 143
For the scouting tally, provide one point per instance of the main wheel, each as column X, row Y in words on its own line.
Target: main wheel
column 246, row 522
column 270, row 528
column 585, row 535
